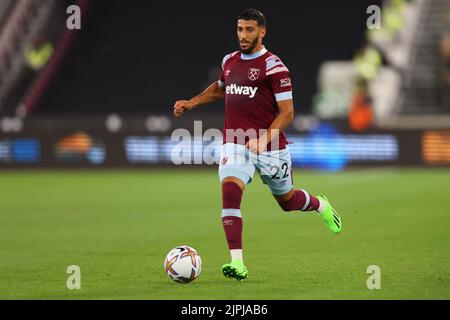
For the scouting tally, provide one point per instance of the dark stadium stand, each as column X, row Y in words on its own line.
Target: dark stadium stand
column 103, row 95
column 125, row 58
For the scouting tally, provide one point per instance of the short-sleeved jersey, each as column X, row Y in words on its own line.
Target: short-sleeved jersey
column 253, row 84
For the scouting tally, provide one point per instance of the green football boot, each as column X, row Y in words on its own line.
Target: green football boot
column 235, row 270
column 330, row 216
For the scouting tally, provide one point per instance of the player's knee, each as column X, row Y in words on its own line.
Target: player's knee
column 231, row 195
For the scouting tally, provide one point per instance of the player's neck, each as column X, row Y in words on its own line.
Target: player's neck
column 257, row 52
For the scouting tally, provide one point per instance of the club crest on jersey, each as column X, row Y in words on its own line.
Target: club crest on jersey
column 253, row 74
column 286, row 82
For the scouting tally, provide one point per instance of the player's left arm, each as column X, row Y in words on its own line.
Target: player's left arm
column 281, row 122
column 280, row 82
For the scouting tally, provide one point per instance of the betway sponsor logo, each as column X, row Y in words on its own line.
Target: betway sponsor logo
column 245, row 90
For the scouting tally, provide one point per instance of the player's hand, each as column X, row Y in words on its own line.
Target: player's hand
column 180, row 106
column 256, row 145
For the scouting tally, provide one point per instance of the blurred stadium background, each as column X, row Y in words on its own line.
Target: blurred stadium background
column 102, row 97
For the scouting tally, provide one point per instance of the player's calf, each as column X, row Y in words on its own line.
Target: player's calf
column 231, row 217
column 298, row 200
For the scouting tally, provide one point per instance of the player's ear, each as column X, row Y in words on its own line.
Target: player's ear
column 262, row 33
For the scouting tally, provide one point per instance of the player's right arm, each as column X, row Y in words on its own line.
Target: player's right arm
column 213, row 93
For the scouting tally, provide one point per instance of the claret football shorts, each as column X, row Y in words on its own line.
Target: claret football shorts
column 274, row 167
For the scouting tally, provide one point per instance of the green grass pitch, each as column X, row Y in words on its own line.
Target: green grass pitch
column 119, row 225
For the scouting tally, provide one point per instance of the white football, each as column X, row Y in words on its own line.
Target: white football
column 183, row 264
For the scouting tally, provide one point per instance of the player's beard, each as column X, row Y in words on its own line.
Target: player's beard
column 252, row 46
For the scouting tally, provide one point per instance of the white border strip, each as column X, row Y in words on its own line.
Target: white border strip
column 308, row 199
column 231, row 213
column 283, row 96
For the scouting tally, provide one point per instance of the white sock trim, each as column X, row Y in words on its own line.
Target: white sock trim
column 308, row 199
column 236, row 254
column 321, row 205
column 231, row 213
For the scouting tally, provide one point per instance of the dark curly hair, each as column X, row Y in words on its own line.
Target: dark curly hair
column 253, row 14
